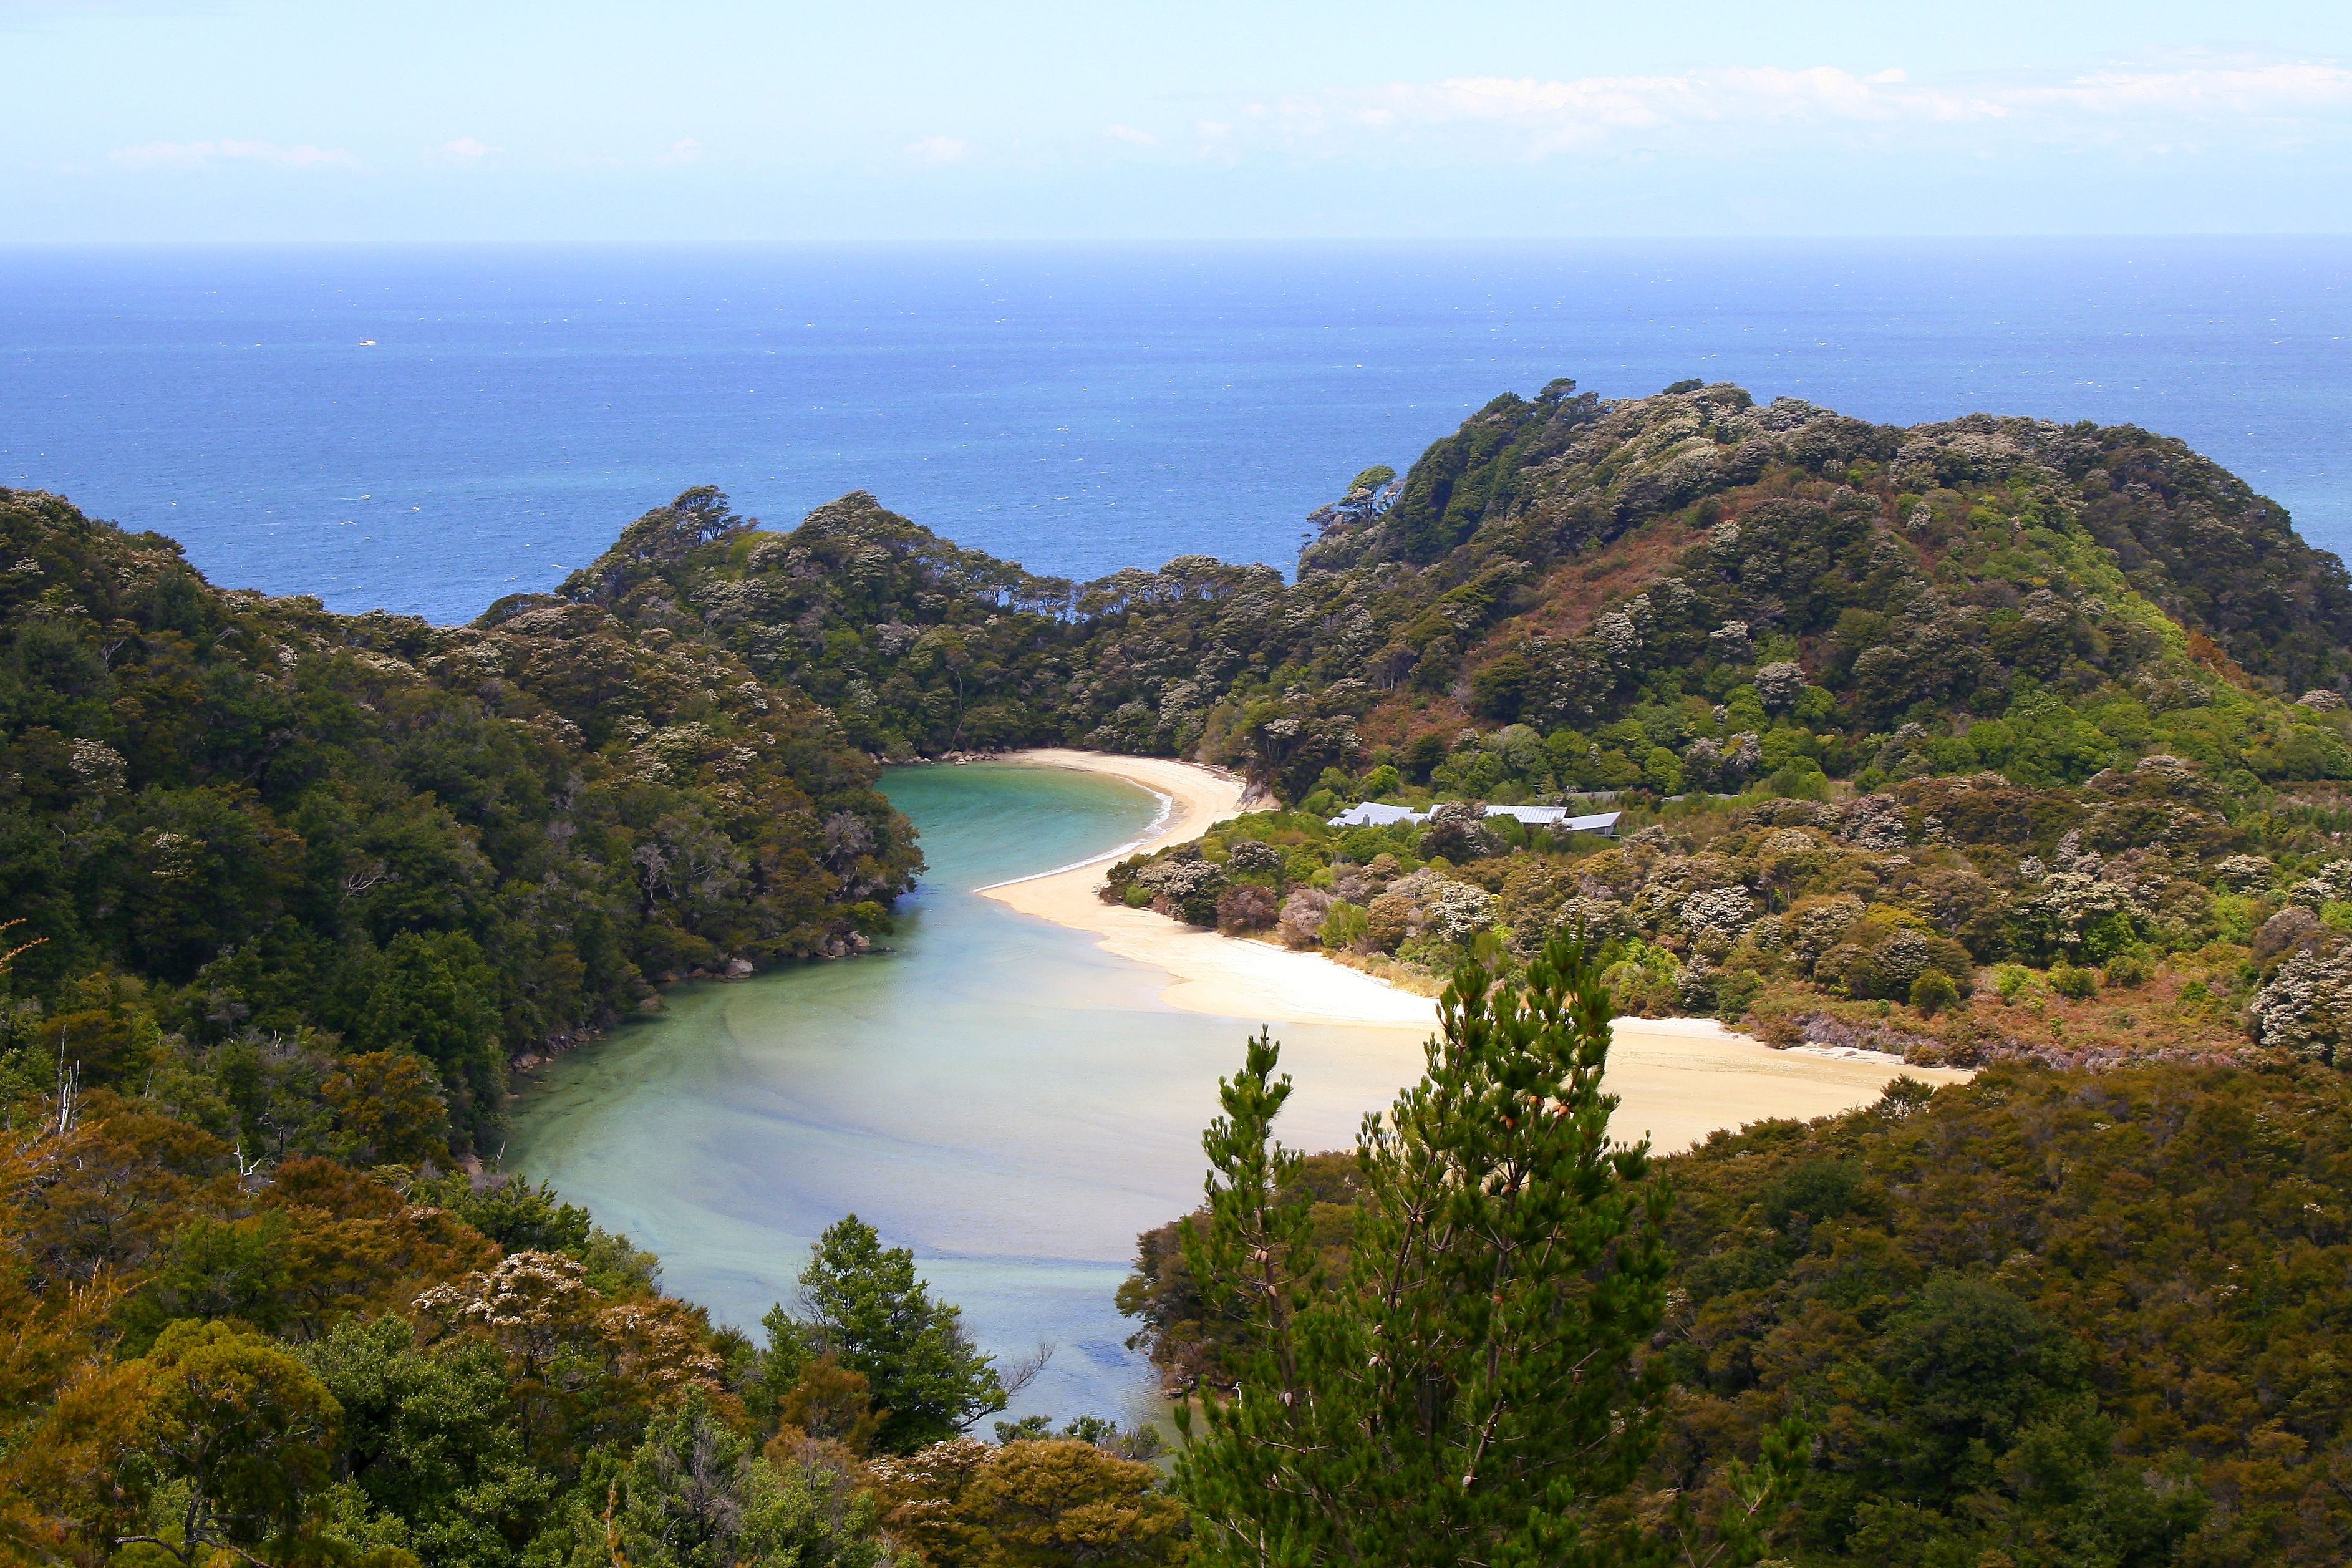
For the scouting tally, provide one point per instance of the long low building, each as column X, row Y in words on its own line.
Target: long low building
column 1377, row 814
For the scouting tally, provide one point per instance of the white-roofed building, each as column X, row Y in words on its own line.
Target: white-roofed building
column 1375, row 814
column 1372, row 814
column 1532, row 815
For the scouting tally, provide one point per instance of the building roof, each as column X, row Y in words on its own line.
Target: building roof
column 1378, row 813
column 1373, row 814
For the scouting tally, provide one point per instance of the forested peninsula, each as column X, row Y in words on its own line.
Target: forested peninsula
column 1992, row 743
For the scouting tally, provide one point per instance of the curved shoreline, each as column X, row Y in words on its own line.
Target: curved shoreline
column 1677, row 1080
column 1210, row 973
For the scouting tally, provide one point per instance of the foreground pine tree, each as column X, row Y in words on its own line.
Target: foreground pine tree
column 1467, row 1388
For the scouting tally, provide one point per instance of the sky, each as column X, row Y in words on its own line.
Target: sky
column 1028, row 119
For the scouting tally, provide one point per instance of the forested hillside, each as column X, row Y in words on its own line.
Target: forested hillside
column 1888, row 709
column 1988, row 741
column 2061, row 1318
column 286, row 891
column 251, row 844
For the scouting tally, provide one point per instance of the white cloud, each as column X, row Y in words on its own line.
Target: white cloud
column 196, row 154
column 938, row 151
column 685, row 150
column 469, row 148
column 2259, row 91
column 1525, row 116
column 1129, row 134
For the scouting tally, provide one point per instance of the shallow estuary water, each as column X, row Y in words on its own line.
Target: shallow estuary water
column 994, row 1092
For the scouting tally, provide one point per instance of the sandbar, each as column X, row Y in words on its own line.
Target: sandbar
column 1677, row 1079
column 1229, row 977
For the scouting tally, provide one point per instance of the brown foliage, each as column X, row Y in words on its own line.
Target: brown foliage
column 963, row 1504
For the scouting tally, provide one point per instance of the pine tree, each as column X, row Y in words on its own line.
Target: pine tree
column 1468, row 1387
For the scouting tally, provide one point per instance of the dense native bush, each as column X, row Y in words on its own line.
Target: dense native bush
column 2039, row 1317
column 1466, row 1379
column 203, row 1354
column 1811, row 919
column 262, row 850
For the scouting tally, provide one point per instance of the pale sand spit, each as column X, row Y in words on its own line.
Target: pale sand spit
column 1677, row 1079
column 1211, row 974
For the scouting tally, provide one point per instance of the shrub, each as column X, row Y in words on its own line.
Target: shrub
column 1300, row 923
column 1780, row 684
column 1934, row 990
column 1246, row 907
column 1799, row 778
column 1888, row 971
column 2244, row 873
column 1387, row 921
column 2013, row 980
column 2235, row 917
column 1347, row 927
column 1735, row 989
column 1458, row 831
column 2307, row 1005
column 1251, row 858
column 2069, row 980
column 1457, row 912
column 1186, row 890
column 1723, row 911
column 1645, row 980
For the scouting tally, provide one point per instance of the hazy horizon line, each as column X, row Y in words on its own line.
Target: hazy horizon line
column 1184, row 241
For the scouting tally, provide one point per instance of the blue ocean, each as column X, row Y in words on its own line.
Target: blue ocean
column 426, row 429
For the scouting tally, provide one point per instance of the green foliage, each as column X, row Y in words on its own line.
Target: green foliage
column 429, row 1442
column 1972, row 1296
column 694, row 1494
column 237, row 1428
column 1032, row 1502
column 866, row 1307
column 300, row 885
column 1992, row 1370
column 2071, row 980
column 1934, row 990
column 300, row 834
column 519, row 1216
column 1470, row 1386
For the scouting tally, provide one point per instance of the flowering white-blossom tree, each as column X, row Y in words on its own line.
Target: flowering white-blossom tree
column 2307, row 1005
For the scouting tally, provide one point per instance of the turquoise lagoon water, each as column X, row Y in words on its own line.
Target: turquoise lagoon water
column 994, row 1092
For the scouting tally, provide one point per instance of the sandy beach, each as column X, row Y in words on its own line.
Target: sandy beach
column 1677, row 1080
column 1210, row 973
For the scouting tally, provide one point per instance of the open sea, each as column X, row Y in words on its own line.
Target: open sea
column 426, row 429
